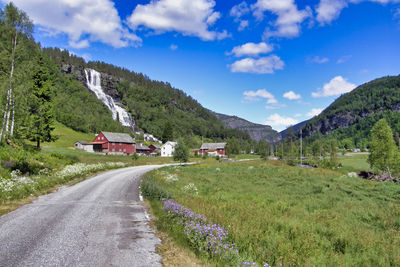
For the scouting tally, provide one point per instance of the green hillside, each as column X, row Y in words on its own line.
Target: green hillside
column 151, row 103
column 352, row 115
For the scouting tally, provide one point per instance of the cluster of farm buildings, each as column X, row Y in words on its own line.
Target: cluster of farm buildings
column 123, row 144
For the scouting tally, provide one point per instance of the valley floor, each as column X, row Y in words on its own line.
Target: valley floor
column 288, row 216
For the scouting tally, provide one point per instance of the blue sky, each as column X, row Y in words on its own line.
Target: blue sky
column 275, row 62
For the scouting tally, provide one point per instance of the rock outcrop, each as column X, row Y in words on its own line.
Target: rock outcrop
column 256, row 131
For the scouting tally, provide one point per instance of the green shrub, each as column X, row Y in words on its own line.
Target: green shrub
column 151, row 189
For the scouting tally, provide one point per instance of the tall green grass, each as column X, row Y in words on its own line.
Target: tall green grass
column 294, row 216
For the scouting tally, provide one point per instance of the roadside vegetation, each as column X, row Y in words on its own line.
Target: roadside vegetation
column 281, row 215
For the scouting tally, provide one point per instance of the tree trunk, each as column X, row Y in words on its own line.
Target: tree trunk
column 38, row 144
column 3, row 130
column 12, row 99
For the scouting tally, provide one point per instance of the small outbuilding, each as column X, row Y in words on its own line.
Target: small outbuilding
column 142, row 149
column 80, row 145
column 114, row 143
column 213, row 149
column 168, row 149
column 155, row 149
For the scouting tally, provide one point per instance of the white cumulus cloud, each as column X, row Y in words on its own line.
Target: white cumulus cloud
column 336, row 86
column 291, row 95
column 251, row 49
column 329, row 10
column 83, row 21
column 280, row 122
column 318, row 59
column 239, row 10
column 259, row 95
column 188, row 17
column 314, row 112
column 243, row 25
column 262, row 65
column 289, row 17
column 173, row 47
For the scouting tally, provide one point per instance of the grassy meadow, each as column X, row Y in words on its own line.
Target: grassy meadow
column 289, row 216
column 354, row 162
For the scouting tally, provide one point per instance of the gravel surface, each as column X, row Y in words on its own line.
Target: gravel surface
column 98, row 222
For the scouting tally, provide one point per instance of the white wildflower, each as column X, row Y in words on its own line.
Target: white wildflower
column 44, row 172
column 191, row 188
column 15, row 174
column 171, row 178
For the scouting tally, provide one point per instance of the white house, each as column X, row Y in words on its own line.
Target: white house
column 168, row 149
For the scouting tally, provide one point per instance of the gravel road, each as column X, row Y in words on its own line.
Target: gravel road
column 98, row 222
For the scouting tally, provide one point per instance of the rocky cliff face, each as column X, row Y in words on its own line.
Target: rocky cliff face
column 256, row 131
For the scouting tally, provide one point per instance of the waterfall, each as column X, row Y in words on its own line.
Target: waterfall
column 93, row 82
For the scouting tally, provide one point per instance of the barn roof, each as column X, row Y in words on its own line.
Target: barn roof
column 119, row 137
column 213, row 146
column 141, row 146
column 82, row 142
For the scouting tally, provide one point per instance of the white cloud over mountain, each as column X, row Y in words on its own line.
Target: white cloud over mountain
column 83, row 21
column 314, row 112
column 188, row 17
column 260, row 95
column 262, row 65
column 280, row 122
column 337, row 86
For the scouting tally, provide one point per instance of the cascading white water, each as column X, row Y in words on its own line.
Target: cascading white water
column 93, row 82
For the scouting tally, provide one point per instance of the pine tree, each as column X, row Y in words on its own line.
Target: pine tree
column 39, row 123
column 168, row 133
column 384, row 154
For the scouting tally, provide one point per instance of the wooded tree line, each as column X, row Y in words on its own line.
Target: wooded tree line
column 33, row 92
column 26, row 84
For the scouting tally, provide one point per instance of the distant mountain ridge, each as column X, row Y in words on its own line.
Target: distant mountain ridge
column 256, row 131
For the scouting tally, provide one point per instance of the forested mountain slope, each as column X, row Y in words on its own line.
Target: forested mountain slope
column 151, row 103
column 353, row 114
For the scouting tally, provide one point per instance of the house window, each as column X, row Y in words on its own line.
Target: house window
column 120, row 150
column 113, row 150
column 124, row 150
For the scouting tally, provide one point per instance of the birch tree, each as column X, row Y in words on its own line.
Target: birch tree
column 384, row 154
column 16, row 27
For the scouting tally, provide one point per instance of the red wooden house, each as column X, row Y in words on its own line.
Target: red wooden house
column 214, row 149
column 114, row 143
